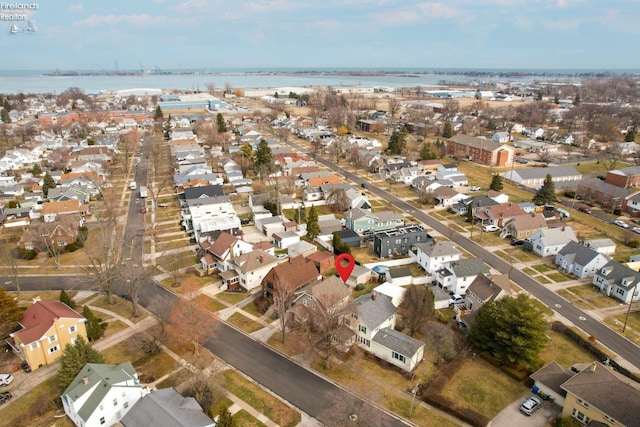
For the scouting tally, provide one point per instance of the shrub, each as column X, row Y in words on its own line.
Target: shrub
column 19, row 253
column 72, row 247
column 570, row 194
column 515, row 372
column 489, row 358
column 633, row 243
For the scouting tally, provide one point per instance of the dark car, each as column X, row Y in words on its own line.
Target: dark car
column 517, row 242
column 5, row 396
column 522, row 161
column 363, row 185
column 143, row 210
column 585, row 210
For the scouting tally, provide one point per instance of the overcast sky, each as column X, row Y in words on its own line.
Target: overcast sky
column 215, row 34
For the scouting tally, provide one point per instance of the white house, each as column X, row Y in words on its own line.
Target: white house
column 550, row 241
column 247, row 270
column 432, row 257
column 457, row 276
column 396, row 293
column 284, row 239
column 618, row 281
column 580, row 260
column 208, row 214
column 101, row 395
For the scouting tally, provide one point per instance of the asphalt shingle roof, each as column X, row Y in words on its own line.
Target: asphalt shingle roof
column 398, row 342
column 373, row 310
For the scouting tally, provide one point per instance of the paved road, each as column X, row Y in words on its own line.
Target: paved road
column 623, row 347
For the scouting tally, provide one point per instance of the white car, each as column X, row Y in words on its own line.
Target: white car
column 456, row 299
column 620, row 223
column 474, row 188
column 530, row 405
column 490, row 228
column 636, row 230
column 6, row 379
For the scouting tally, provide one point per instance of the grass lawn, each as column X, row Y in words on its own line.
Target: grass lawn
column 564, row 351
column 530, row 271
column 482, row 387
column 181, row 260
column 155, row 366
column 559, row 277
column 26, row 407
column 293, row 343
column 28, row 296
column 172, row 379
column 208, row 303
column 232, row 297
column 544, row 280
column 244, row 323
column 260, row 400
column 252, row 309
column 120, row 353
column 182, row 242
column 633, row 325
column 120, row 306
column 542, row 268
column 592, row 296
column 245, row 419
column 419, row 416
column 113, row 327
column 364, row 255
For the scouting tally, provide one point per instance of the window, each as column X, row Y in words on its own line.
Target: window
column 72, row 329
column 115, row 402
column 34, row 345
column 583, row 403
column 53, row 338
column 102, row 420
column 362, row 329
column 54, row 349
column 126, row 405
column 398, row 356
column 102, row 407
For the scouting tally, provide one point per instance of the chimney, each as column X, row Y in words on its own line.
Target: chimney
column 261, row 259
column 85, row 380
column 373, row 296
column 592, row 368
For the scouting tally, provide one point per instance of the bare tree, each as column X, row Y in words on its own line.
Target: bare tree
column 159, row 169
column 394, row 107
column 161, row 306
column 416, row 308
column 611, row 156
column 7, row 252
column 338, row 200
column 544, row 156
column 283, row 299
column 189, row 322
column 443, row 339
column 133, row 278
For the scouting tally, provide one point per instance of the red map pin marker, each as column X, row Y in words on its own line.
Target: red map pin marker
column 345, row 271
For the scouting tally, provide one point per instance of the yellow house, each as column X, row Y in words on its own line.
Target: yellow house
column 598, row 394
column 47, row 327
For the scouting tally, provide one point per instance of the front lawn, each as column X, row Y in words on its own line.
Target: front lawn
column 244, row 323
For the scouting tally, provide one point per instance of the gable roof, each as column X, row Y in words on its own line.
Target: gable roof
column 488, row 288
column 166, row 408
column 468, row 267
column 619, row 274
column 398, row 342
column 553, row 376
column 528, row 222
column 541, row 173
column 253, row 260
column 555, row 236
column 203, row 191
column 62, row 206
column 122, row 375
column 475, row 142
column 439, row 248
column 222, row 244
column 579, row 254
column 330, row 290
column 608, row 391
column 294, row 273
column 373, row 308
column 40, row 316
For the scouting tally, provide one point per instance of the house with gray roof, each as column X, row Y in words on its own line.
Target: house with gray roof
column 482, row 290
column 549, row 380
column 534, row 177
column 523, row 226
column 618, row 281
column 166, row 408
column 580, row 260
column 102, row 394
column 400, row 240
column 457, row 276
column 433, row 256
column 551, row 240
column 362, row 221
column 373, row 318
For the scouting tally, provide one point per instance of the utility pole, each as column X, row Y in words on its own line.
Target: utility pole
column 626, row 318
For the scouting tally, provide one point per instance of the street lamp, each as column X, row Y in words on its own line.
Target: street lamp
column 413, row 392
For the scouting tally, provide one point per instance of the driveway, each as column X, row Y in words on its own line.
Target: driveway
column 511, row 415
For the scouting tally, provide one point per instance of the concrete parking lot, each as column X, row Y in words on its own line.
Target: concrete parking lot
column 511, row 415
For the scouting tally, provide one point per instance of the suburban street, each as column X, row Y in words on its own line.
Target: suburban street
column 623, row 347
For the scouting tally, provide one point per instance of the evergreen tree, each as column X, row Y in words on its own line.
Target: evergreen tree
column 397, row 141
column 158, row 116
column 222, row 125
column 539, row 96
column 630, row 135
column 426, row 153
column 547, row 193
column 36, row 170
column 556, row 99
column 447, row 132
column 576, row 100
column 65, row 298
column 225, row 419
column 10, row 313
column 73, row 359
column 496, row 183
column 95, row 326
column 263, row 159
column 47, row 183
column 4, row 116
column 313, row 228
column 470, row 213
column 166, row 128
column 339, row 247
column 6, row 105
column 512, row 329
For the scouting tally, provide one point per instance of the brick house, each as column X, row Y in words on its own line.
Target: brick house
column 478, row 150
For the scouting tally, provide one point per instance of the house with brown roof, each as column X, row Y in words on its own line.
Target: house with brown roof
column 598, row 394
column 323, row 180
column 483, row 151
column 289, row 277
column 247, row 271
column 41, row 236
column 523, row 226
column 323, row 260
column 46, row 328
column 225, row 247
column 319, row 298
column 497, row 214
column 53, row 210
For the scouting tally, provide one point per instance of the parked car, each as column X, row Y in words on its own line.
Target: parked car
column 143, row 210
column 6, row 379
column 490, row 228
column 5, row 396
column 620, row 223
column 456, row 299
column 585, row 210
column 522, row 161
column 517, row 242
column 363, row 185
column 530, row 405
column 474, row 188
column 636, row 230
